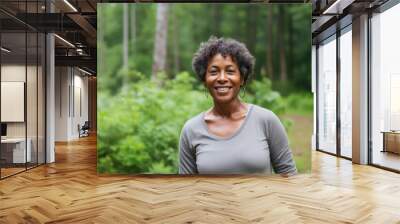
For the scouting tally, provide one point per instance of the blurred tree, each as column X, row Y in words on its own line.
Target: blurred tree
column 126, row 36
column 175, row 41
column 270, row 43
column 216, row 17
column 290, row 45
column 282, row 53
column 133, row 29
column 278, row 41
column 160, row 40
column 251, row 26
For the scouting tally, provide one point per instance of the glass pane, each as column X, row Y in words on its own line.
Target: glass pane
column 31, row 85
column 386, row 89
column 327, row 96
column 346, row 94
column 22, row 79
column 31, row 97
column 14, row 153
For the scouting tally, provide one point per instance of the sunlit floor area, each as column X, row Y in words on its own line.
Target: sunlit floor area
column 70, row 191
column 387, row 159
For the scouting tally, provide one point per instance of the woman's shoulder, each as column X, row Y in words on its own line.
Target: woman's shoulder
column 263, row 113
column 266, row 118
column 194, row 122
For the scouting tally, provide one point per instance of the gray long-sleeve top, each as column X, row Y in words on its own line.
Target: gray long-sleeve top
column 260, row 145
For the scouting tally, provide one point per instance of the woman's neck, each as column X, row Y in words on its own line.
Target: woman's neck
column 230, row 109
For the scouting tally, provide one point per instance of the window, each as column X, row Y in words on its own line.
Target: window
column 385, row 88
column 346, row 92
column 23, row 79
column 327, row 95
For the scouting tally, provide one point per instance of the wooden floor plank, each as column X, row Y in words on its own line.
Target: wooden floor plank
column 70, row 191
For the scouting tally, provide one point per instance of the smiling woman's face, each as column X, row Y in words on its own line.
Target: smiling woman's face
column 223, row 79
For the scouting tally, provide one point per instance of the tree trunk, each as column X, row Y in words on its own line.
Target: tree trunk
column 125, row 45
column 270, row 61
column 175, row 38
column 216, row 15
column 160, row 40
column 251, row 27
column 133, row 29
column 291, row 56
column 282, row 53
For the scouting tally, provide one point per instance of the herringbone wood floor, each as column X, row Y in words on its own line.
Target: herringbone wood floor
column 70, row 191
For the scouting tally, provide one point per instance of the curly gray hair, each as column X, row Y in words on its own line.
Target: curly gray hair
column 235, row 49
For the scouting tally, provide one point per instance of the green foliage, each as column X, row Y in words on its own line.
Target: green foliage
column 261, row 93
column 300, row 103
column 139, row 127
column 191, row 24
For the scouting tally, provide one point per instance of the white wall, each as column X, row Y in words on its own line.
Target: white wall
column 10, row 73
column 62, row 81
column 80, row 109
column 71, row 94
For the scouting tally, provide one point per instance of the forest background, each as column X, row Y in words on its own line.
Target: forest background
column 147, row 89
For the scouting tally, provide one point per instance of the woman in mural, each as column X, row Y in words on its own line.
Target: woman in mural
column 232, row 137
